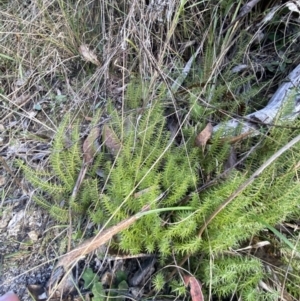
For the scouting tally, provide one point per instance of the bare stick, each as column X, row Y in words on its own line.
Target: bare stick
column 95, row 242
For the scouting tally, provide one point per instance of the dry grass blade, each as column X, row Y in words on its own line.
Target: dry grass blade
column 95, row 242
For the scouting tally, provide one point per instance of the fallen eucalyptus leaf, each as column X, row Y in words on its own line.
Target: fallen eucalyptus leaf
column 111, row 140
column 204, row 136
column 88, row 147
column 195, row 287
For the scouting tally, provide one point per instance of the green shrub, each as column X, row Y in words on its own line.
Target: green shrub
column 151, row 169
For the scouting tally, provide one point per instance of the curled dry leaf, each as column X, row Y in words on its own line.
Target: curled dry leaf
column 204, row 135
column 111, row 140
column 88, row 55
column 89, row 149
column 195, row 287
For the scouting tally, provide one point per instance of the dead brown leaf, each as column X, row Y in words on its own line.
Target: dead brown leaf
column 22, row 99
column 88, row 55
column 195, row 287
column 204, row 135
column 88, row 146
column 111, row 140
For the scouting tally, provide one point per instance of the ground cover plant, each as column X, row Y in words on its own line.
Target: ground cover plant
column 108, row 107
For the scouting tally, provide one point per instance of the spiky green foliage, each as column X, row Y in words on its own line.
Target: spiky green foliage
column 229, row 272
column 154, row 173
column 150, row 169
column 54, row 186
